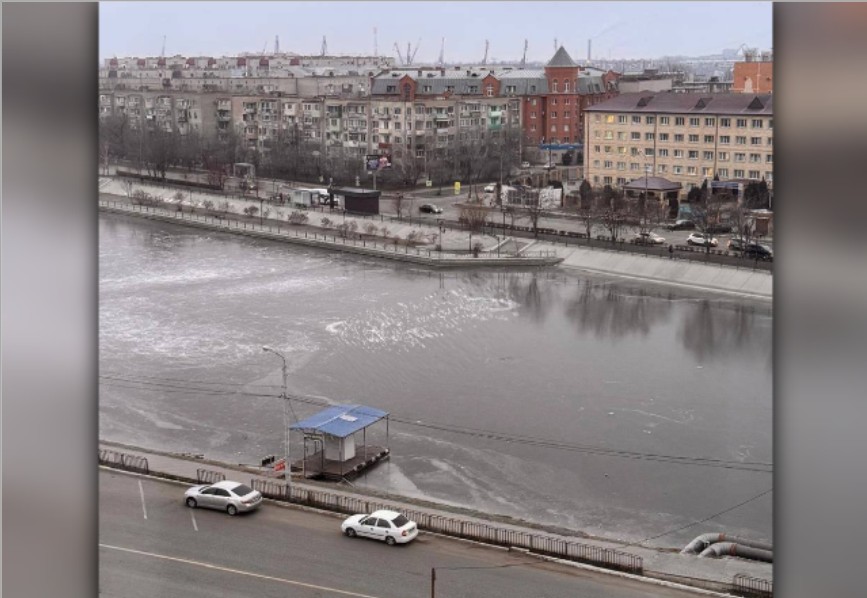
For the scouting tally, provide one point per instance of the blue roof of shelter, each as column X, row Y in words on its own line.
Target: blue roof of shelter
column 340, row 420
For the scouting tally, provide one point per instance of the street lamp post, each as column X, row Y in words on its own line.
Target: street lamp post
column 285, row 398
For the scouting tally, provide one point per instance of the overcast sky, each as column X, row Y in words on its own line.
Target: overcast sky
column 618, row 29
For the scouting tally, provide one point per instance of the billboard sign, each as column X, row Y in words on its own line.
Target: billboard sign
column 376, row 162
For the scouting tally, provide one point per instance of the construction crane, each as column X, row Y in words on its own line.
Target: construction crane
column 441, row 60
column 524, row 57
column 485, row 58
column 276, row 44
column 412, row 59
column 163, row 51
column 375, row 45
column 399, row 55
column 556, row 45
column 324, row 50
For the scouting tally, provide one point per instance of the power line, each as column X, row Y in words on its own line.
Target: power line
column 706, row 519
column 174, row 385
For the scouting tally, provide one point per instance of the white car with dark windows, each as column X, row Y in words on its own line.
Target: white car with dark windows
column 387, row 526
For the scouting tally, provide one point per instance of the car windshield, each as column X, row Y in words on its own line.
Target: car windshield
column 242, row 490
column 400, row 521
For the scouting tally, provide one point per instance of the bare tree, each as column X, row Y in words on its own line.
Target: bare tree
column 474, row 215
column 587, row 207
column 126, row 185
column 614, row 212
column 533, row 210
column 399, row 202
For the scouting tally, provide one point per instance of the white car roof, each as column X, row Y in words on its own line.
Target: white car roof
column 384, row 514
column 226, row 484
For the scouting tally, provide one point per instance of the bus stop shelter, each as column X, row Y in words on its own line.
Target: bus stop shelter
column 331, row 450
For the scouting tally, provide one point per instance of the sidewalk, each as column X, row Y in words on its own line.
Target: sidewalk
column 662, row 564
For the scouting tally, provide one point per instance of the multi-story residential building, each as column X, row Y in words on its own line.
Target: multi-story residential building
column 685, row 138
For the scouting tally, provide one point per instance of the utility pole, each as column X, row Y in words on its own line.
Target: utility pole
column 433, row 582
column 285, row 398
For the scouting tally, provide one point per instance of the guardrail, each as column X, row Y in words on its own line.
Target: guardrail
column 472, row 530
column 124, row 461
column 209, row 476
column 291, row 232
column 752, row 587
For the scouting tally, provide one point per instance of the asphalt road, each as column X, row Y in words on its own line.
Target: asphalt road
column 153, row 545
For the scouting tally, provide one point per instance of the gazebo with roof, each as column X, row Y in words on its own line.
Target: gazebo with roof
column 654, row 186
column 332, row 433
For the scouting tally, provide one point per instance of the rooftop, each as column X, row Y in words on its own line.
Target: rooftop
column 340, row 420
column 680, row 103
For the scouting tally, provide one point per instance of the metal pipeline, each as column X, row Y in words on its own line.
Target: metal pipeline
column 702, row 542
column 732, row 549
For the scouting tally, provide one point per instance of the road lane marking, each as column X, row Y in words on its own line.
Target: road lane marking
column 143, row 507
column 238, row 572
column 193, row 517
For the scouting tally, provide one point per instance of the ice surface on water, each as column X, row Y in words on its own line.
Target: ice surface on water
column 409, row 325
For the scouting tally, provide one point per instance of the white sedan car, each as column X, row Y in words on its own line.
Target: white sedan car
column 648, row 239
column 388, row 526
column 701, row 239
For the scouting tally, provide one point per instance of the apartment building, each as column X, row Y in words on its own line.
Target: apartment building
column 685, row 138
column 181, row 112
column 755, row 74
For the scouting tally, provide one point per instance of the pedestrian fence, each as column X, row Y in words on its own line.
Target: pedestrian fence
column 472, row 530
column 370, row 246
column 123, row 461
column 752, row 587
column 209, row 476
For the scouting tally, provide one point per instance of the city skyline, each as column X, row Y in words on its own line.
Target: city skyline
column 618, row 30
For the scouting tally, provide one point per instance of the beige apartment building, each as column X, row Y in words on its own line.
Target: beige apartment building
column 685, row 138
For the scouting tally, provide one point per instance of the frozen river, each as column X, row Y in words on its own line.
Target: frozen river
column 608, row 407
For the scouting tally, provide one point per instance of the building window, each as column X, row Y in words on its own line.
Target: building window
column 595, row 163
column 554, row 86
column 554, row 115
column 724, row 139
column 707, row 156
column 678, row 137
column 725, row 122
column 739, row 174
column 677, row 169
column 622, row 119
column 648, row 151
column 678, row 153
column 649, row 120
column 708, row 138
column 769, row 158
column 489, row 91
column 636, row 120
column 553, row 128
column 606, row 180
column 694, row 122
column 723, row 156
column 693, row 138
column 663, row 120
column 740, row 157
column 742, row 123
column 757, row 123
column 691, row 170
column 707, row 171
column 663, row 153
column 648, row 136
column 770, row 123
column 565, row 128
column 608, row 164
column 634, row 166
column 621, row 166
column 609, row 119
column 566, row 86
column 723, row 172
column 533, row 114
column 633, row 151
column 740, row 140
column 755, row 174
column 663, row 136
column 770, row 141
column 709, row 122
column 553, row 101
column 693, row 154
column 607, row 147
column 755, row 158
column 635, row 135
column 596, row 148
column 755, row 140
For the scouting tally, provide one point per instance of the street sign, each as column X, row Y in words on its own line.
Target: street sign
column 457, row 187
column 428, row 183
column 280, row 465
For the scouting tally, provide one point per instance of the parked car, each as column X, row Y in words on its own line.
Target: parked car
column 648, row 239
column 429, row 208
column 701, row 239
column 759, row 252
column 388, row 526
column 490, row 189
column 682, row 225
column 718, row 229
column 232, row 497
column 736, row 244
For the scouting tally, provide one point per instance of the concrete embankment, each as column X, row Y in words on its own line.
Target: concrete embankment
column 426, row 257
column 744, row 281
